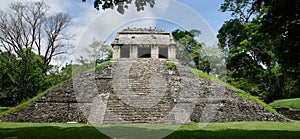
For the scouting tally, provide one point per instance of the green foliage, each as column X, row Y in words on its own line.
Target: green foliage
column 281, row 23
column 3, row 109
column 178, row 34
column 66, row 73
column 28, row 25
column 260, row 47
column 121, row 4
column 189, row 50
column 243, row 130
column 21, row 78
column 28, row 102
column 83, row 68
column 186, row 38
column 109, row 54
column 97, row 53
column 57, row 74
column 242, row 10
column 170, row 64
column 25, row 58
column 293, row 103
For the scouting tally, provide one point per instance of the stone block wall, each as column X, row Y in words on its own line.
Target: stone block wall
column 141, row 91
column 291, row 114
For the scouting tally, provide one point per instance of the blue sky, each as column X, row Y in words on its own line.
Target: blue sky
column 90, row 24
column 209, row 9
column 84, row 13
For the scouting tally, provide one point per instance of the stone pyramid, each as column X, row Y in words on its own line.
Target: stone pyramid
column 141, row 91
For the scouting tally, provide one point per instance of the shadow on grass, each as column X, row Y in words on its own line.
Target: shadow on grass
column 89, row 132
column 235, row 134
column 49, row 132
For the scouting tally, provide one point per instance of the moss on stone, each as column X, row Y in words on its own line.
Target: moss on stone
column 170, row 64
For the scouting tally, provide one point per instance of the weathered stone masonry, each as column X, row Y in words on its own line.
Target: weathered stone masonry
column 140, row 88
column 81, row 103
column 289, row 113
column 144, row 43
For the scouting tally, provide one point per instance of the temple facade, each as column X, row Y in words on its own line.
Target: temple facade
column 144, row 43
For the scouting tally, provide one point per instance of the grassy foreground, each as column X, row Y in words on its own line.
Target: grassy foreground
column 287, row 103
column 212, row 130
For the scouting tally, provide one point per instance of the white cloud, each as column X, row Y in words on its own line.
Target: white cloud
column 107, row 23
column 91, row 24
column 86, row 19
column 55, row 5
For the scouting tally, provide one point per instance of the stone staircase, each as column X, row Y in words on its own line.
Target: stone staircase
column 143, row 92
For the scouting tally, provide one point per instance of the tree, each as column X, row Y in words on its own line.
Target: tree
column 121, row 4
column 96, row 53
column 281, row 21
column 260, row 43
column 185, row 45
column 7, row 65
column 57, row 38
column 29, row 39
column 21, row 78
column 190, row 51
column 28, row 26
column 243, row 10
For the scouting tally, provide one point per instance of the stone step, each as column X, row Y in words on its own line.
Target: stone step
column 141, row 70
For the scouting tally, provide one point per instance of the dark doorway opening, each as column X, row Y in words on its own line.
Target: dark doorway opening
column 163, row 53
column 144, row 52
column 125, row 52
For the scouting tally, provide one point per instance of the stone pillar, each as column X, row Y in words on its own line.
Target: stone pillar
column 172, row 52
column 133, row 51
column 116, row 52
column 154, row 51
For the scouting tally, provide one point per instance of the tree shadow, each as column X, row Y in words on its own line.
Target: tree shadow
column 234, row 133
column 51, row 132
column 55, row 132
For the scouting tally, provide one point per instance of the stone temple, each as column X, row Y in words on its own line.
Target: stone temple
column 144, row 43
column 139, row 87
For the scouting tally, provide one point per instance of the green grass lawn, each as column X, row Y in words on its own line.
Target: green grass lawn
column 212, row 130
column 3, row 109
column 287, row 103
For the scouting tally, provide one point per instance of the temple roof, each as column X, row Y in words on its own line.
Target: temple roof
column 143, row 36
